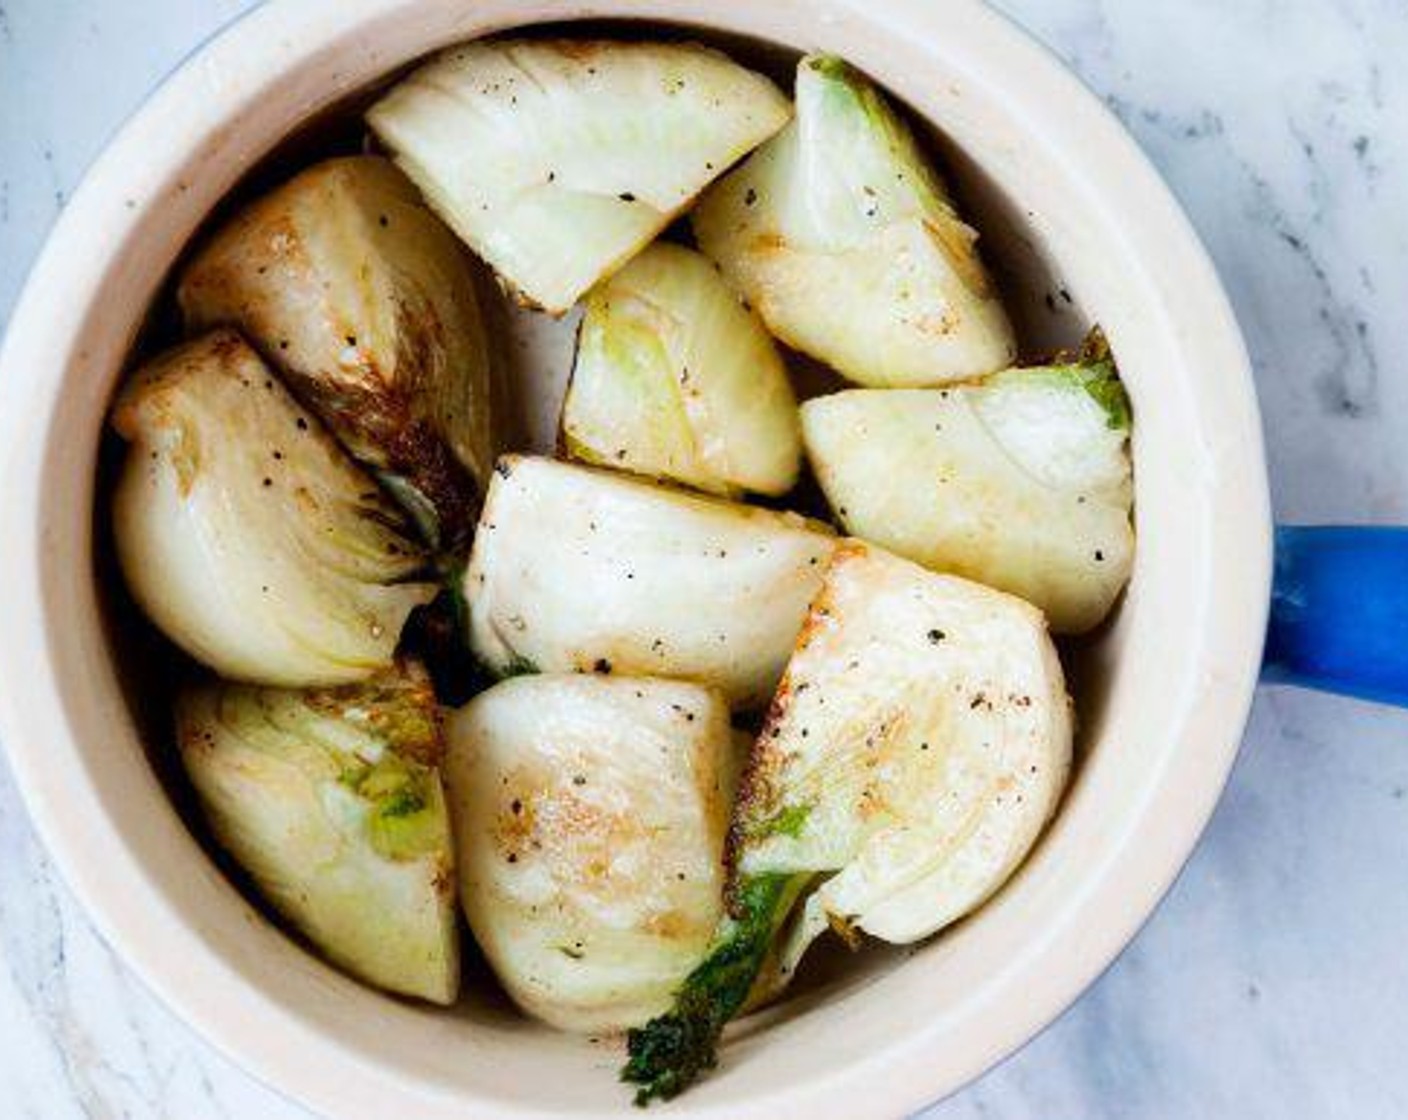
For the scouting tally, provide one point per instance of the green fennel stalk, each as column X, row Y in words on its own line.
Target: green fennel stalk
column 669, row 1052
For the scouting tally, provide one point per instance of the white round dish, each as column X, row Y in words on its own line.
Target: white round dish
column 1164, row 691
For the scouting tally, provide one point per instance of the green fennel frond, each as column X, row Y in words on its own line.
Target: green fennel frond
column 673, row 1049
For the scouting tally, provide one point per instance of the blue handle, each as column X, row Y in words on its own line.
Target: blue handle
column 1339, row 612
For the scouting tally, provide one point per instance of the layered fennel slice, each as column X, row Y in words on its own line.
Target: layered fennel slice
column 330, row 800
column 590, row 814
column 917, row 745
column 674, row 378
column 366, row 303
column 556, row 160
column 1022, row 480
column 576, row 569
column 840, row 233
column 246, row 533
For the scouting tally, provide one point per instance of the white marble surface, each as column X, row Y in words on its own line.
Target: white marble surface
column 1273, row 982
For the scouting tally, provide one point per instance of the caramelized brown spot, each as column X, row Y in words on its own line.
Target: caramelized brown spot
column 578, row 50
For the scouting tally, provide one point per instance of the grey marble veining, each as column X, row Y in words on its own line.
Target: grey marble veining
column 1273, row 982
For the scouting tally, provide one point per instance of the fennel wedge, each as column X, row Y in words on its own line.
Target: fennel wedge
column 556, row 160
column 590, row 813
column 840, row 233
column 1021, row 481
column 674, row 378
column 576, row 569
column 365, row 302
column 331, row 801
column 245, row 532
column 917, row 745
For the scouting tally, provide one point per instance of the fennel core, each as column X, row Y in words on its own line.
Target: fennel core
column 672, row 1050
column 1093, row 368
column 787, row 821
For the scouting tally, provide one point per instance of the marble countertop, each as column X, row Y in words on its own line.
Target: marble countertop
column 1273, row 981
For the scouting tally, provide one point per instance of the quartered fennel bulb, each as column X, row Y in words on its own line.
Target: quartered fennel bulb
column 245, row 532
column 917, row 745
column 674, row 378
column 365, row 301
column 585, row 570
column 558, row 160
column 590, row 813
column 331, row 801
column 1021, row 481
column 839, row 232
